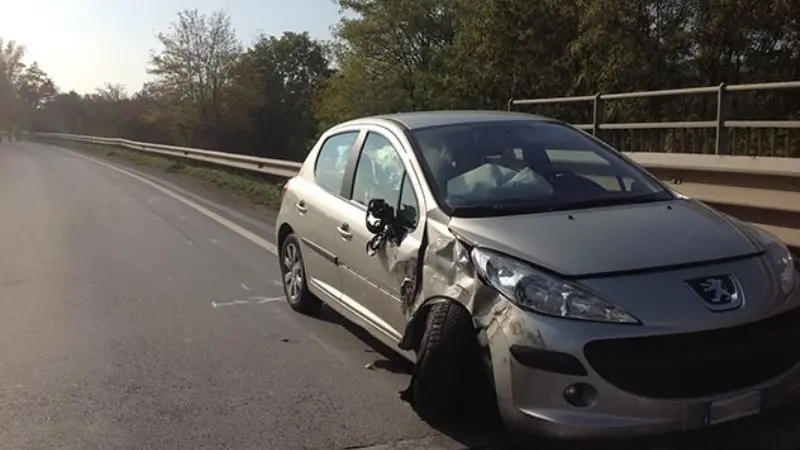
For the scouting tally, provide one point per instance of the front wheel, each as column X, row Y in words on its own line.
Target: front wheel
column 450, row 382
column 293, row 277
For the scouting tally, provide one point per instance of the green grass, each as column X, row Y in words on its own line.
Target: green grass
column 249, row 186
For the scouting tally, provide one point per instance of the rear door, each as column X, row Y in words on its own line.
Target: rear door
column 313, row 203
column 371, row 284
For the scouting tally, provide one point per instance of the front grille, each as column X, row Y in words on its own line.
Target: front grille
column 702, row 363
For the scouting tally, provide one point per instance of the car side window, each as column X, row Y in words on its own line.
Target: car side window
column 408, row 207
column 332, row 161
column 379, row 172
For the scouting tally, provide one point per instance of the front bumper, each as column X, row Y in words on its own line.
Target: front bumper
column 644, row 381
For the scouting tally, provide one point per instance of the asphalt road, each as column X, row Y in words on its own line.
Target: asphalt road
column 129, row 319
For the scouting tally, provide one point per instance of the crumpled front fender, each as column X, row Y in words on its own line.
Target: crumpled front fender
column 446, row 273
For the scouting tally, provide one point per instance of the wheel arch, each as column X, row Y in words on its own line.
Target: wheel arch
column 283, row 232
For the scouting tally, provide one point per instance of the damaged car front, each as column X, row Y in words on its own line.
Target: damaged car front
column 605, row 304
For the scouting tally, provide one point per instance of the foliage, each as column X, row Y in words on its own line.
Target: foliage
column 24, row 89
column 273, row 97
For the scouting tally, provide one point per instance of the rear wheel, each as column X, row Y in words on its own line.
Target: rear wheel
column 293, row 277
column 450, row 381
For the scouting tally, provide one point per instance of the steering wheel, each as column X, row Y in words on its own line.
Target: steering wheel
column 573, row 181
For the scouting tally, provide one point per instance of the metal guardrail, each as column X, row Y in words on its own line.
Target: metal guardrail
column 722, row 125
column 276, row 167
column 765, row 191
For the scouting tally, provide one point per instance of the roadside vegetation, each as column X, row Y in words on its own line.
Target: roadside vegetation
column 271, row 97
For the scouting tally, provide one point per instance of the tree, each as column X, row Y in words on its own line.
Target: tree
column 193, row 67
column 34, row 90
column 11, row 66
column 509, row 49
column 390, row 57
column 112, row 92
column 199, row 51
column 275, row 88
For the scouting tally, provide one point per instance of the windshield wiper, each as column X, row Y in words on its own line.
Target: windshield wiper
column 495, row 209
column 500, row 209
column 611, row 201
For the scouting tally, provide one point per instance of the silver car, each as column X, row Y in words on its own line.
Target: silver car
column 528, row 268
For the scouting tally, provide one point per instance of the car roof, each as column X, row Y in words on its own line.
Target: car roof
column 425, row 119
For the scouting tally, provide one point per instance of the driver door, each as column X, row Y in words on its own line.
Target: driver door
column 371, row 284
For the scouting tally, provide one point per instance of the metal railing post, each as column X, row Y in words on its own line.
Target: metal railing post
column 721, row 145
column 598, row 114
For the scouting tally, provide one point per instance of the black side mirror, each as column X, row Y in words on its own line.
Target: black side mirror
column 380, row 215
column 382, row 221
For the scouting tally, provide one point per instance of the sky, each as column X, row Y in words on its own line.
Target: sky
column 83, row 44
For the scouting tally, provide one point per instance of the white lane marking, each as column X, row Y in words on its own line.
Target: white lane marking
column 245, row 287
column 214, row 241
column 278, row 283
column 235, row 302
column 252, row 237
column 262, row 300
column 227, row 212
column 258, row 300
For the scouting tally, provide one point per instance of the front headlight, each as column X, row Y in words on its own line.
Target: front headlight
column 534, row 290
column 781, row 259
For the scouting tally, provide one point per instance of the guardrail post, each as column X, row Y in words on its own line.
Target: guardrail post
column 723, row 108
column 598, row 115
column 510, row 103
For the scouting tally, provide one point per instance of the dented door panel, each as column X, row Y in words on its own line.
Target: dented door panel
column 379, row 280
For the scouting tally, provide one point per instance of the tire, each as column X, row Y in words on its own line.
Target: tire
column 293, row 277
column 450, row 382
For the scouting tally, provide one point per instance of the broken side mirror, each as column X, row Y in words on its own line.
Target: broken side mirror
column 384, row 224
column 380, row 215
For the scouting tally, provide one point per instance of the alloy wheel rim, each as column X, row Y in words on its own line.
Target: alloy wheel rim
column 293, row 272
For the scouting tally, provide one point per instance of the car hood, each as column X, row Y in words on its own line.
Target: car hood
column 612, row 239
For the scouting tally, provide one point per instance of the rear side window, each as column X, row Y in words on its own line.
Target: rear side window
column 332, row 161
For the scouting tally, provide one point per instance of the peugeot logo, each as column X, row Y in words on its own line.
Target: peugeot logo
column 718, row 292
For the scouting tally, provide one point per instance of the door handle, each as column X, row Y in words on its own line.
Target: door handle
column 344, row 231
column 301, row 206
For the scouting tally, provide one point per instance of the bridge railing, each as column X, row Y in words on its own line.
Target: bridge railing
column 720, row 135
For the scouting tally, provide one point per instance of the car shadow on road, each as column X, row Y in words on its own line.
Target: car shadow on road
column 386, row 358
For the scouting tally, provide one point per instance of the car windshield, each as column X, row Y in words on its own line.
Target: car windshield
column 527, row 166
